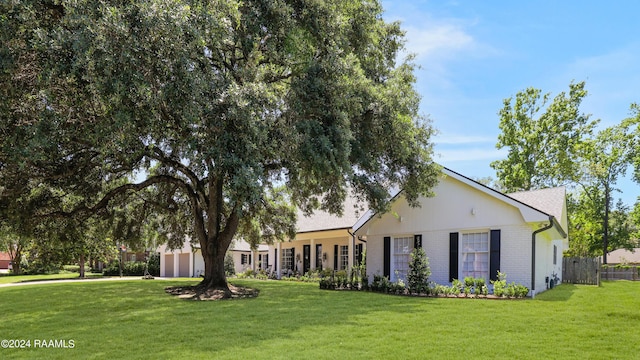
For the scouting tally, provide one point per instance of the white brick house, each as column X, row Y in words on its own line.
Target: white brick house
column 468, row 229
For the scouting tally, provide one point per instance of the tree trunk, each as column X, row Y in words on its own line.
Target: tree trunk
column 15, row 265
column 214, row 275
column 81, row 263
column 15, row 255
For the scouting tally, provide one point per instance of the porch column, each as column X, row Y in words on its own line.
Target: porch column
column 162, row 263
column 313, row 255
column 278, row 259
column 192, row 262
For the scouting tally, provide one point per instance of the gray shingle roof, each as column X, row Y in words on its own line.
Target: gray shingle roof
column 550, row 201
column 322, row 220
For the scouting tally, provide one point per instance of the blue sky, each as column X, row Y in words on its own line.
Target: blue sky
column 474, row 54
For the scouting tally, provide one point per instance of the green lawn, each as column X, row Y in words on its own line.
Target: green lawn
column 136, row 319
column 9, row 278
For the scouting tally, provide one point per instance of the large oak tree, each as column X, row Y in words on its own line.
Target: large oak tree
column 208, row 107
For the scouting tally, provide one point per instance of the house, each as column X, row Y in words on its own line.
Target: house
column 188, row 262
column 323, row 241
column 244, row 258
column 623, row 256
column 468, row 229
column 5, row 260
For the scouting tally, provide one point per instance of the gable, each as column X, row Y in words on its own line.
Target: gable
column 456, row 205
column 321, row 220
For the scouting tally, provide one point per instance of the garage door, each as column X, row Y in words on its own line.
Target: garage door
column 168, row 265
column 184, row 265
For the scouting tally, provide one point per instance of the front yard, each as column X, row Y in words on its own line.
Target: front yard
column 136, row 319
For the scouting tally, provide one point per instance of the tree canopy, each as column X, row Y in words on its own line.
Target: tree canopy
column 556, row 144
column 543, row 138
column 204, row 110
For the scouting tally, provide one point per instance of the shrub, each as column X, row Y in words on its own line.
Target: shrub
column 513, row 290
column 154, row 264
column 380, row 284
column 456, row 287
column 500, row 285
column 129, row 268
column 229, row 266
column 419, row 272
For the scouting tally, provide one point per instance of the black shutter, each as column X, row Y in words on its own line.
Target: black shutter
column 293, row 259
column 275, row 260
column 359, row 259
column 417, row 241
column 494, row 259
column 335, row 257
column 387, row 257
column 453, row 256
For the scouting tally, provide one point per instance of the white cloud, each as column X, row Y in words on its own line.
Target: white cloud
column 471, row 154
column 437, row 41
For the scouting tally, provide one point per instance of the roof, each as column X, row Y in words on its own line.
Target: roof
column 242, row 245
column 4, row 256
column 622, row 256
column 550, row 201
column 547, row 202
column 321, row 220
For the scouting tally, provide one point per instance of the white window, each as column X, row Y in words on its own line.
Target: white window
column 287, row 259
column 475, row 255
column 344, row 257
column 402, row 247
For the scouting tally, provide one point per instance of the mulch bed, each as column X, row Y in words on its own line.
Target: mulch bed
column 198, row 293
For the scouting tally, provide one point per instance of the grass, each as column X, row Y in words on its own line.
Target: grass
column 10, row 278
column 137, row 320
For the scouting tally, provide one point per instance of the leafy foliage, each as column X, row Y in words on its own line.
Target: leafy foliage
column 208, row 107
column 543, row 138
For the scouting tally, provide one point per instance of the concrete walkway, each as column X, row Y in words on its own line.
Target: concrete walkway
column 57, row 281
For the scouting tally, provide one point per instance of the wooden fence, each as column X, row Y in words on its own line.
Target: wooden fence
column 581, row 270
column 620, row 273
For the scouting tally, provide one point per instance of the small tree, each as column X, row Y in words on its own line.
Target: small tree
column 419, row 272
column 229, row 267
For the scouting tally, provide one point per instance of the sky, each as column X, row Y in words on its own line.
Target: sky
column 474, row 54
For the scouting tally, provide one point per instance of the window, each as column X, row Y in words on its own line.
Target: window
column 265, row 261
column 402, row 247
column 555, row 254
column 287, row 259
column 245, row 259
column 344, row 257
column 474, row 251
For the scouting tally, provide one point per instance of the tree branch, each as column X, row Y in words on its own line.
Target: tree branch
column 122, row 189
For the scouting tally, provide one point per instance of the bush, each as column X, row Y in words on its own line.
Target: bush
column 229, row 266
column 513, row 290
column 129, row 268
column 154, row 264
column 380, row 284
column 419, row 272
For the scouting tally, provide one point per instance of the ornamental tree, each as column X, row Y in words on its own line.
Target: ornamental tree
column 203, row 110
